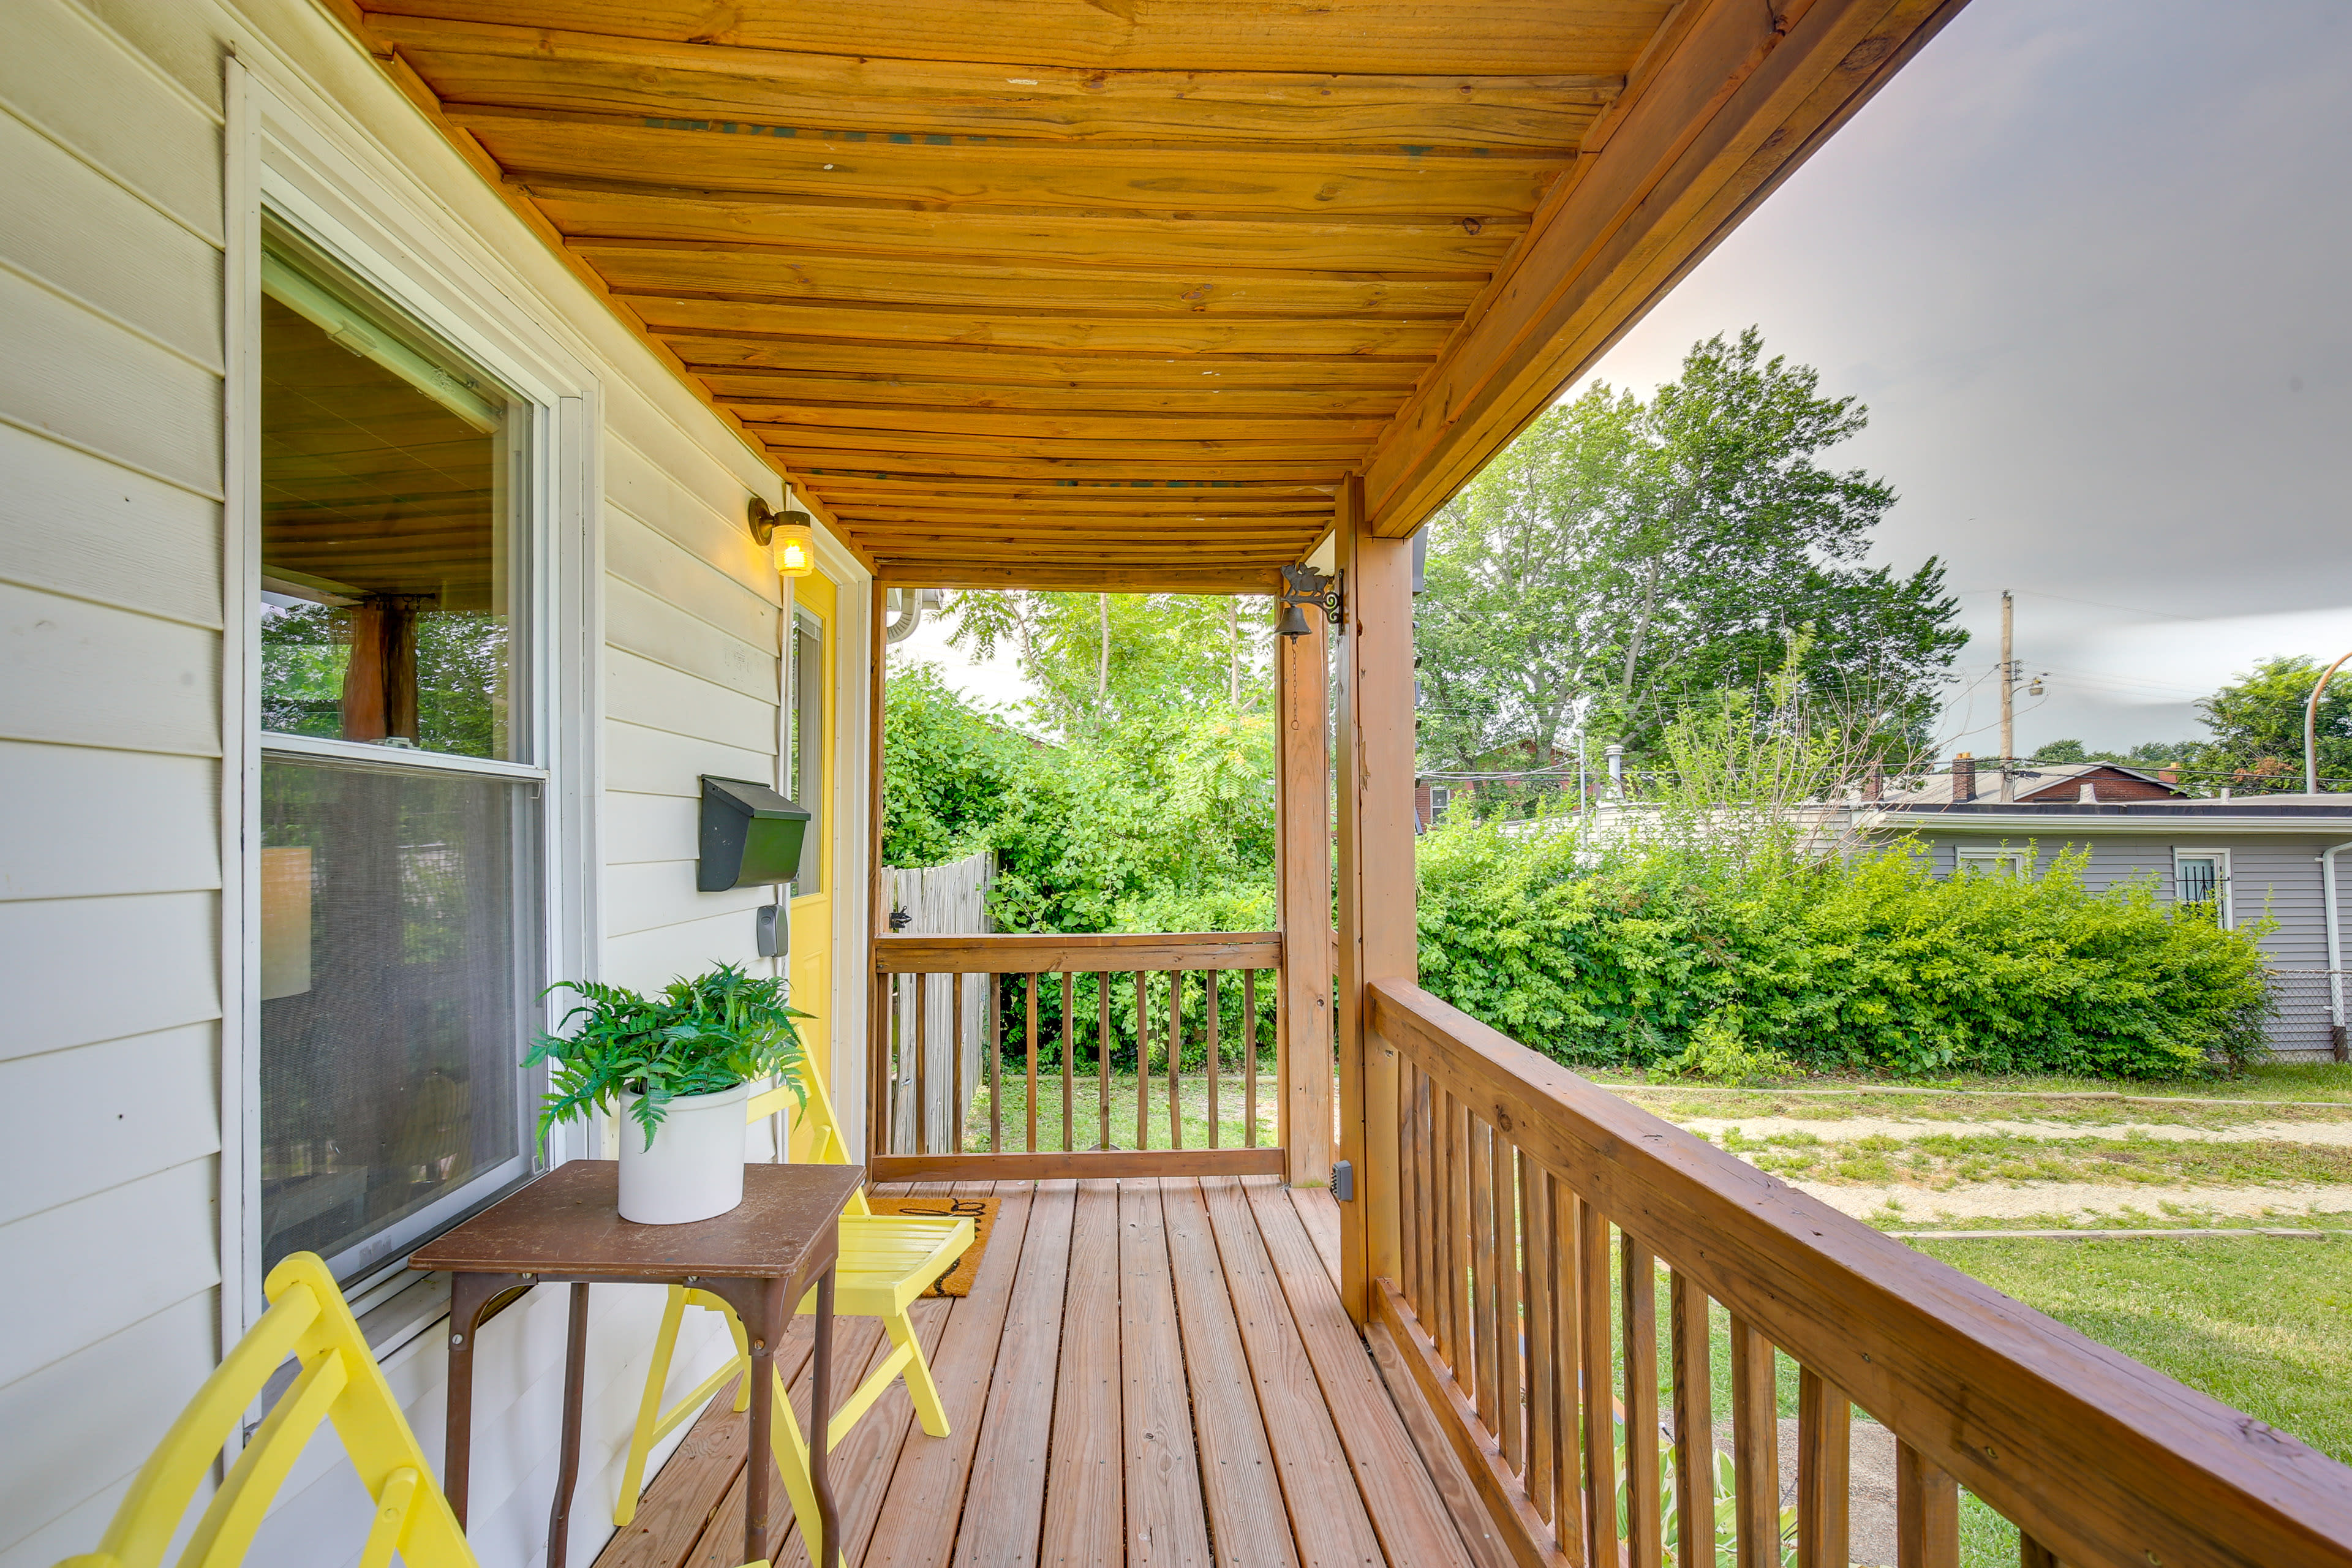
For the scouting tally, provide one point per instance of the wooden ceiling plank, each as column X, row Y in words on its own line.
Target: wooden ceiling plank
column 1172, row 457
column 858, row 510
column 1173, row 529
column 769, row 273
column 1116, row 424
column 1141, row 552
column 1490, row 38
column 848, row 227
column 671, row 315
column 700, row 153
column 1198, row 393
column 812, row 460
column 491, row 63
column 755, row 260
column 1726, row 115
column 984, row 364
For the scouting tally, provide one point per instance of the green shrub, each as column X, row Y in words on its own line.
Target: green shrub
column 1642, row 956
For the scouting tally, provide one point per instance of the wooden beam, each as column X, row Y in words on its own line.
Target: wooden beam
column 956, row 428
column 1728, row 111
column 1048, row 468
column 1115, row 953
column 1377, row 940
column 1048, row 576
column 1198, row 390
column 878, row 1103
column 1303, row 812
column 488, row 63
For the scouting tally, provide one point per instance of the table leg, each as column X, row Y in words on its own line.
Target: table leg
column 474, row 1300
column 760, row 1320
column 575, row 1379
column 821, row 1430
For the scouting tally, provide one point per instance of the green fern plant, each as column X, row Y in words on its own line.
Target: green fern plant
column 696, row 1036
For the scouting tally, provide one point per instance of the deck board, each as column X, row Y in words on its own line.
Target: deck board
column 1085, row 1482
column 1147, row 1372
column 1004, row 1503
column 1166, row 1525
column 1247, row 1521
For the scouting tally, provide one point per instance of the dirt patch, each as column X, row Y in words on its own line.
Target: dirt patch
column 1910, row 1205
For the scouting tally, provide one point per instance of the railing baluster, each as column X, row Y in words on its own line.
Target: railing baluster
column 1568, row 1498
column 1032, row 1028
column 1456, row 1300
column 1510, row 1412
column 1102, row 1061
column 922, row 1064
column 1542, row 1333
column 1824, row 1439
column 1927, row 1512
column 1755, row 1447
column 1637, row 1320
column 1175, row 1056
column 1249, row 1056
column 1142, row 1062
column 1481, row 1327
column 1409, row 1248
column 1212, row 983
column 1069, row 1067
column 955, row 1089
column 995, row 1065
column 1694, row 1424
column 2032, row 1553
column 1600, row 1422
column 1424, row 1195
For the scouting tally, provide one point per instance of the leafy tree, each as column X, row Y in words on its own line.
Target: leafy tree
column 2257, row 725
column 1098, row 660
column 1625, row 558
column 950, row 771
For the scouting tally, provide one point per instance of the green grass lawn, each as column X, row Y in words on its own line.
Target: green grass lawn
column 1941, row 1160
column 1192, row 1104
column 2264, row 1326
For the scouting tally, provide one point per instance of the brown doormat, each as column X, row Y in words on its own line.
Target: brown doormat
column 982, row 1212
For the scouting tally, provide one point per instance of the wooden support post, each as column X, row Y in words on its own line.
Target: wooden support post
column 1377, row 935
column 877, row 1095
column 1302, row 802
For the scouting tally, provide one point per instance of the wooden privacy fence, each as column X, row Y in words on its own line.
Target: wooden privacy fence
column 938, row 900
column 1536, row 1341
column 1141, row 987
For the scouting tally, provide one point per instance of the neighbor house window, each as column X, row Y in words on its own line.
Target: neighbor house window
column 1440, row 797
column 399, row 819
column 2203, row 877
column 1993, row 862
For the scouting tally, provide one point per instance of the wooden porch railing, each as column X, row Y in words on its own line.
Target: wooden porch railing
column 1530, row 1333
column 1026, row 973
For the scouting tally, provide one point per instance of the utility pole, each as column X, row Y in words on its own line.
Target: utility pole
column 2008, row 687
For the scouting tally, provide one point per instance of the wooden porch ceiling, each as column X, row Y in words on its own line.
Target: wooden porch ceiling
column 1042, row 289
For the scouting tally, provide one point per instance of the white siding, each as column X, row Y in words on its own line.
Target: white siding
column 109, row 681
column 112, row 606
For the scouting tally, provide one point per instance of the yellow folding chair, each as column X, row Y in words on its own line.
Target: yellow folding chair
column 887, row 1260
column 340, row 1382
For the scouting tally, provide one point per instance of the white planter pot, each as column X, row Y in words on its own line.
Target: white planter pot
column 695, row 1168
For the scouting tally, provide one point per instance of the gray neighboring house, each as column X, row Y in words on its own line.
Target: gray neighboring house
column 2274, row 854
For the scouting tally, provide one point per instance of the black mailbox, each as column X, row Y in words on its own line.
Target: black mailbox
column 751, row 836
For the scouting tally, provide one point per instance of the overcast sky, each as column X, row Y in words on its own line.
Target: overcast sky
column 2089, row 262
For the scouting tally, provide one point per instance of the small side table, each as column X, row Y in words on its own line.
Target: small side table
column 566, row 1228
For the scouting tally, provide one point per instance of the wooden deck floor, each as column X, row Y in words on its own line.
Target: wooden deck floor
column 1146, row 1372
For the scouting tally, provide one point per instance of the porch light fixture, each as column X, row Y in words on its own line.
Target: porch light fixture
column 792, row 534
column 1302, row 587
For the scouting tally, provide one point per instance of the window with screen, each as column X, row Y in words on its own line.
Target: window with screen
column 806, row 746
column 399, row 812
column 1993, row 862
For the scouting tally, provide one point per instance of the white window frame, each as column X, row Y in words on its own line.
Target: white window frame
column 300, row 156
column 2224, row 914
column 1982, row 858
